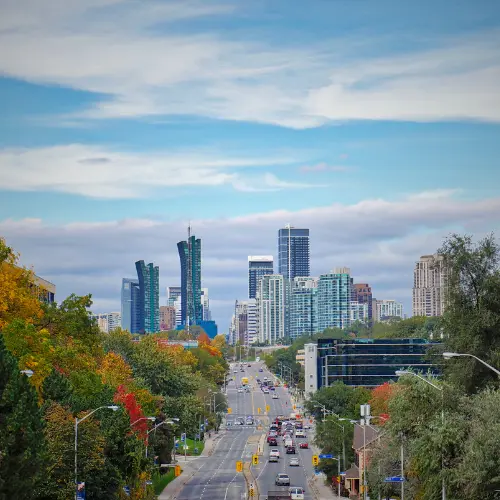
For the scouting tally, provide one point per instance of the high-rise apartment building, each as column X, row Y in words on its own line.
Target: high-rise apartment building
column 241, row 321
column 359, row 312
column 149, row 296
column 334, row 299
column 205, row 305
column 130, row 305
column 271, row 299
column 167, row 318
column 190, row 260
column 385, row 309
column 293, row 252
column 252, row 321
column 258, row 266
column 172, row 293
column 302, row 308
column 429, row 286
column 362, row 294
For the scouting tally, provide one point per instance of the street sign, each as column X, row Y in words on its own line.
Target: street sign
column 206, row 421
column 80, row 491
column 202, row 427
column 126, row 489
column 183, row 437
column 328, row 455
column 394, row 479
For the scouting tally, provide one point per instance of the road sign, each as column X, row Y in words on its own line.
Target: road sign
column 394, row 479
column 80, row 491
column 239, row 466
column 229, row 411
column 255, row 459
column 315, row 460
column 250, row 493
column 268, row 408
column 328, row 455
column 183, row 437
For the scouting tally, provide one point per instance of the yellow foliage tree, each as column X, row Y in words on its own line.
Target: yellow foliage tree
column 219, row 342
column 114, row 370
column 17, row 300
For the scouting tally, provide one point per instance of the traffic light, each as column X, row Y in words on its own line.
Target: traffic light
column 229, row 411
column 177, row 470
column 258, row 411
column 255, row 459
column 315, row 460
column 268, row 408
column 239, row 466
column 294, row 407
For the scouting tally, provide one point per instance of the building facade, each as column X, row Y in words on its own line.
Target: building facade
column 173, row 292
column 359, row 312
column 302, row 308
column 429, row 280
column 167, row 318
column 366, row 362
column 241, row 321
column 271, row 299
column 293, row 252
column 386, row 309
column 362, row 294
column 252, row 321
column 190, row 260
column 107, row 322
column 205, row 305
column 258, row 266
column 334, row 299
column 130, row 305
column 149, row 296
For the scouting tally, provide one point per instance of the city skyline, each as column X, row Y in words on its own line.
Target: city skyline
column 377, row 130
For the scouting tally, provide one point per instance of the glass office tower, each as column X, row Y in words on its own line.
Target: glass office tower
column 293, row 252
column 149, row 296
column 190, row 260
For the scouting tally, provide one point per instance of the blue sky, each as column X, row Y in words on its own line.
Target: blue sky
column 120, row 117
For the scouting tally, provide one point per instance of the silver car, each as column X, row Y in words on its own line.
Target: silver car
column 294, row 462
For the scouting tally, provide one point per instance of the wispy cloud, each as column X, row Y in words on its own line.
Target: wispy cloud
column 123, row 51
column 323, row 167
column 268, row 183
column 99, row 172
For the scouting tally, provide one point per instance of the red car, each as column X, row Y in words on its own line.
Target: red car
column 303, row 445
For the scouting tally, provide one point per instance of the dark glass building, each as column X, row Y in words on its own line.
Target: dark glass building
column 190, row 260
column 149, row 297
column 293, row 252
column 131, row 305
column 371, row 362
column 258, row 266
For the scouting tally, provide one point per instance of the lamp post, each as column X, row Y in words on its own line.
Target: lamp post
column 449, row 355
column 77, row 422
column 338, row 475
column 401, row 373
column 170, row 421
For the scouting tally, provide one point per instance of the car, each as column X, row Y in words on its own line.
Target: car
column 294, row 462
column 274, row 452
column 304, row 445
column 257, row 379
column 249, row 365
column 229, row 423
column 307, row 426
column 240, row 389
column 300, row 433
column 273, row 458
column 271, row 441
column 261, row 370
column 272, row 388
column 296, row 493
column 290, row 450
column 282, row 479
column 275, row 396
column 235, row 371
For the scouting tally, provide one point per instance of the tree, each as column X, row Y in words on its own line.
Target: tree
column 381, row 397
column 21, row 431
column 219, row 342
column 471, row 322
column 17, row 295
column 114, row 370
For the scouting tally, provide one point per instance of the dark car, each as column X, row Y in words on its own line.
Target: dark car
column 261, row 370
column 271, row 441
column 290, row 450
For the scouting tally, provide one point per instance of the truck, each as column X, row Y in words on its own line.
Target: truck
column 244, row 381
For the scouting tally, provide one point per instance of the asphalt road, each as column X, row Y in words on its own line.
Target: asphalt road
column 217, row 478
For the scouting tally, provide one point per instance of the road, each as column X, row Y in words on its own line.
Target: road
column 217, row 477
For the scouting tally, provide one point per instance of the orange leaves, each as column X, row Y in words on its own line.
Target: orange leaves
column 203, row 338
column 213, row 351
column 114, row 370
column 380, row 398
column 134, row 410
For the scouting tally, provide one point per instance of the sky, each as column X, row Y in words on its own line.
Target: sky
column 374, row 124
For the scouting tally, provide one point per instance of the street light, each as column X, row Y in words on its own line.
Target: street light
column 449, row 355
column 28, row 373
column 143, row 418
column 78, row 421
column 170, row 422
column 400, row 373
column 338, row 477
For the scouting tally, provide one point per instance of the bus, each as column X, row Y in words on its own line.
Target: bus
column 244, row 381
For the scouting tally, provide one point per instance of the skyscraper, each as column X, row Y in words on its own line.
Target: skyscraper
column 172, row 293
column 130, row 305
column 293, row 252
column 362, row 294
column 429, row 281
column 258, row 266
column 149, row 296
column 190, row 259
column 205, row 305
column 271, row 300
column 303, row 306
column 334, row 299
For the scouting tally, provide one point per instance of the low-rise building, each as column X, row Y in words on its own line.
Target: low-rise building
column 300, row 357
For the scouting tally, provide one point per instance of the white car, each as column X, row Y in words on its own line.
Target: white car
column 299, row 433
column 274, row 453
column 296, row 493
column 240, row 389
column 294, row 462
column 275, row 396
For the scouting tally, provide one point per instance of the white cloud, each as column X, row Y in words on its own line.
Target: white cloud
column 378, row 239
column 101, row 172
column 323, row 167
column 118, row 50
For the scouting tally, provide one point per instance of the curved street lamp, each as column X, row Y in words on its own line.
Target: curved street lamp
column 449, row 355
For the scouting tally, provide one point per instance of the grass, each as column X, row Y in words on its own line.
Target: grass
column 191, row 444
column 161, row 481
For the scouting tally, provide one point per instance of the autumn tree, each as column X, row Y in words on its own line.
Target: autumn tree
column 114, row 370
column 380, row 398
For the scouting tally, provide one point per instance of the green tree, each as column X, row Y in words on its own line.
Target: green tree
column 333, row 436
column 471, row 322
column 21, row 431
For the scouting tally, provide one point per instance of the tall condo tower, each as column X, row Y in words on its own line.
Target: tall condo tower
column 293, row 252
column 258, row 266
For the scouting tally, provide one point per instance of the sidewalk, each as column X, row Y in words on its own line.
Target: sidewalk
column 190, row 468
